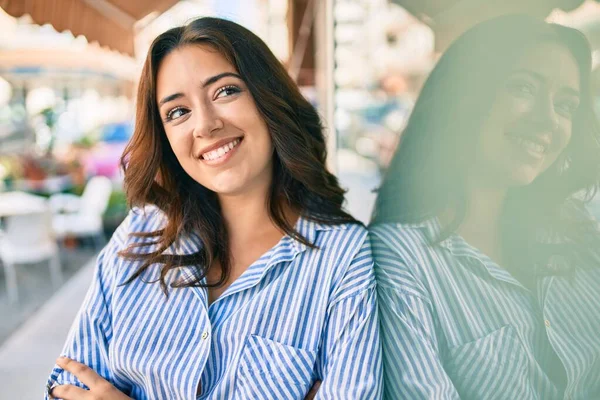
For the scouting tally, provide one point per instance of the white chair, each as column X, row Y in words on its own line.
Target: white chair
column 82, row 215
column 28, row 239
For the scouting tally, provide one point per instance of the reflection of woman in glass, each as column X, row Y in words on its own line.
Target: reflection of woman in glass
column 244, row 279
column 487, row 264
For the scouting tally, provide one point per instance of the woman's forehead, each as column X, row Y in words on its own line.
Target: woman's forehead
column 553, row 63
column 190, row 65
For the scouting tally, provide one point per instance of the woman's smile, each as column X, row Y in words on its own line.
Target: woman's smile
column 216, row 156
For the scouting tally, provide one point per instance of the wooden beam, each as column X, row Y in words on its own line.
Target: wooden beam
column 112, row 12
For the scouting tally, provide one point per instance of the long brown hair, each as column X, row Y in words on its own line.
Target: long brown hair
column 154, row 176
column 428, row 172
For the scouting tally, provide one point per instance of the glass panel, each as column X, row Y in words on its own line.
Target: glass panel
column 381, row 55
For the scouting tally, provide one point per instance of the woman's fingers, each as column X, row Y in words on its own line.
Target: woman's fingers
column 85, row 374
column 69, row 392
column 99, row 387
column 313, row 391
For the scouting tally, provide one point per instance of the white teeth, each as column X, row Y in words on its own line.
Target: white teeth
column 221, row 151
column 531, row 146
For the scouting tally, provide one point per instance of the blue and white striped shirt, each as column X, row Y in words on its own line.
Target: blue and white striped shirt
column 296, row 315
column 456, row 325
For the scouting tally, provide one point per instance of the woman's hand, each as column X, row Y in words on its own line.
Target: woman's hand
column 313, row 391
column 100, row 388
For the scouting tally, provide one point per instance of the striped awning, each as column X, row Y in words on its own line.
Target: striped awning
column 111, row 23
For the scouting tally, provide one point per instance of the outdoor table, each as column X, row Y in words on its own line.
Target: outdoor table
column 19, row 203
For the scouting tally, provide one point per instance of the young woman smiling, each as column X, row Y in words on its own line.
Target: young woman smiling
column 237, row 275
column 487, row 264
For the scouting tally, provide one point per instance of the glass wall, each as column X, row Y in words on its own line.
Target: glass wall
column 381, row 54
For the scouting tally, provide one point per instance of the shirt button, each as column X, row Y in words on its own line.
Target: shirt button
column 204, row 335
column 547, row 323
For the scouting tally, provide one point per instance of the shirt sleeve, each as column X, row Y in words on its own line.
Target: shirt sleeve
column 91, row 332
column 349, row 362
column 413, row 367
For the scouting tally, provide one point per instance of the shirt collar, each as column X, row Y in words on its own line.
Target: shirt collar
column 286, row 250
column 430, row 227
column 309, row 229
column 459, row 248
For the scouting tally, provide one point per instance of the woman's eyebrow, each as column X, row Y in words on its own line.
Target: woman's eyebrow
column 215, row 78
column 541, row 78
column 169, row 98
column 206, row 83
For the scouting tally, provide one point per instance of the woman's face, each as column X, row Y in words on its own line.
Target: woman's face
column 212, row 122
column 531, row 120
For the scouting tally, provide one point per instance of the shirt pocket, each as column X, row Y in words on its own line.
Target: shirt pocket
column 272, row 370
column 495, row 366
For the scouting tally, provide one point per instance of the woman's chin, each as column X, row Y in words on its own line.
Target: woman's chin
column 523, row 176
column 227, row 189
column 226, row 182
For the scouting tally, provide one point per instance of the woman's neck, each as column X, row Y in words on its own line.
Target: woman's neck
column 251, row 233
column 247, row 216
column 480, row 226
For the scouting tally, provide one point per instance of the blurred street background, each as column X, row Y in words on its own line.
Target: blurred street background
column 68, row 75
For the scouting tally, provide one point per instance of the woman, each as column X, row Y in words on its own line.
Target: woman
column 487, row 265
column 237, row 274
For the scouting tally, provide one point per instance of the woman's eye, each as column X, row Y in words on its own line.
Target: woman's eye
column 522, row 89
column 567, row 108
column 176, row 113
column 227, row 91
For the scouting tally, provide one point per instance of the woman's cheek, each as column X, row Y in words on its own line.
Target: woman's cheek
column 521, row 106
